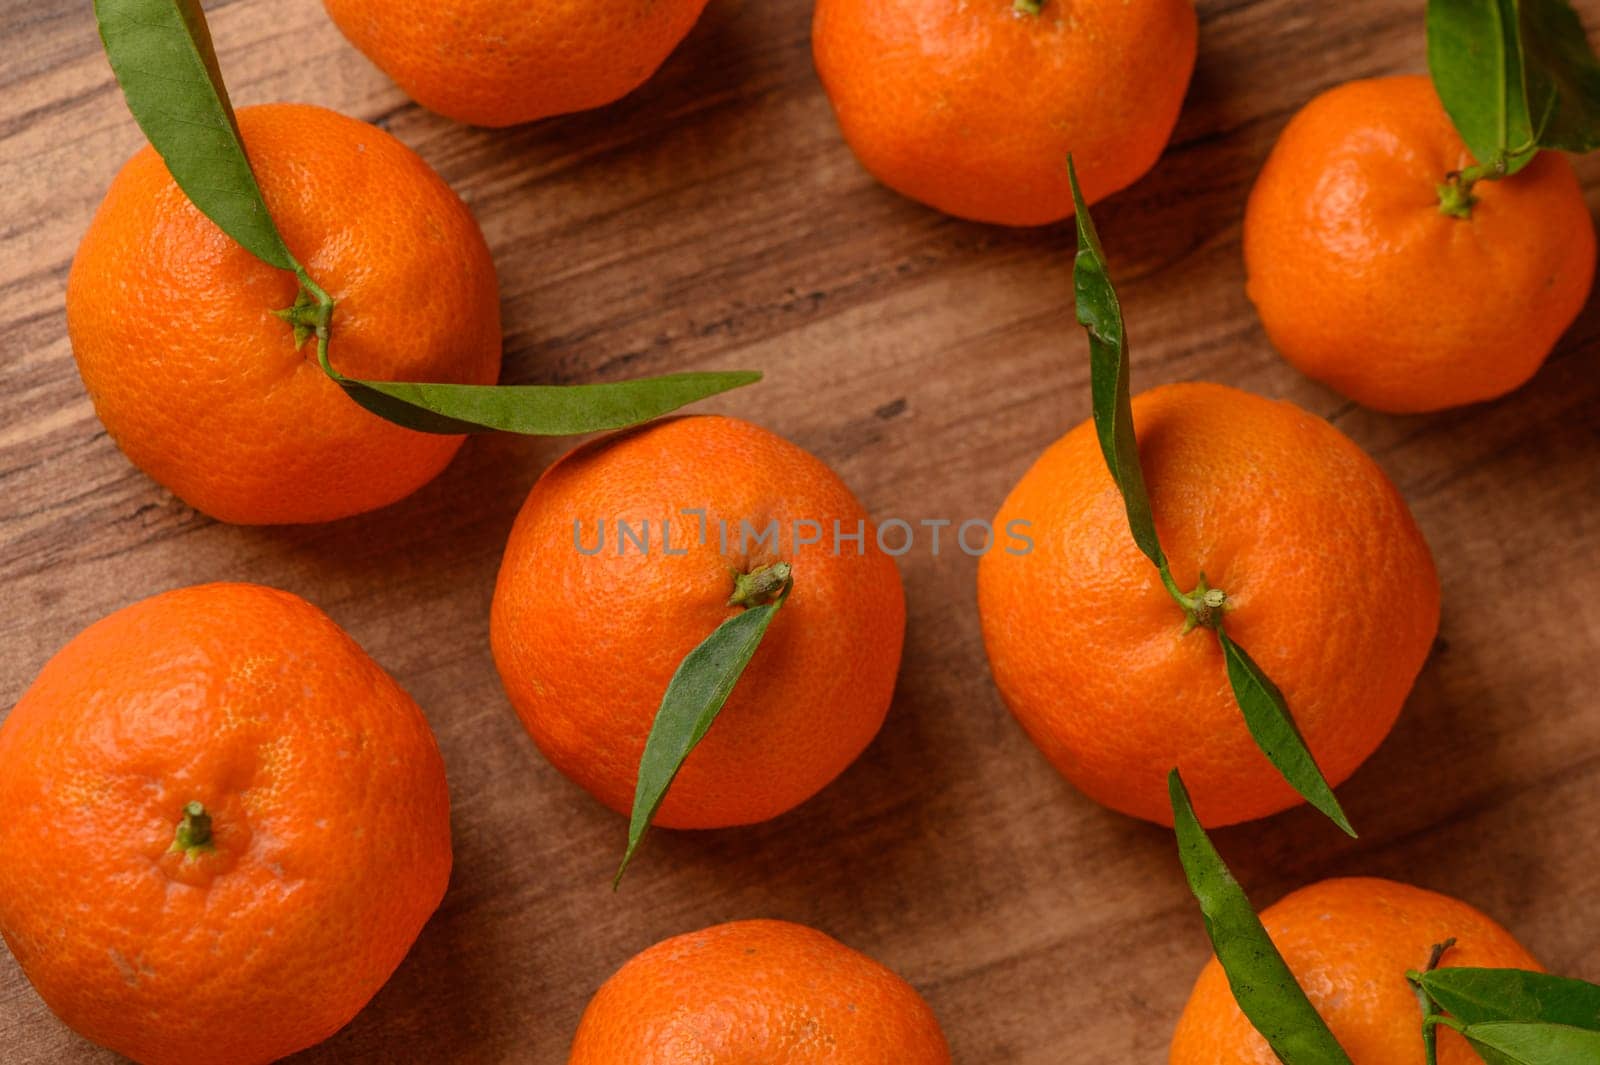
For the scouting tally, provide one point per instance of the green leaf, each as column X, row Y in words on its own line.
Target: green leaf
column 1262, row 984
column 1266, row 714
column 694, row 697
column 537, row 410
column 1532, row 1043
column 1562, row 76
column 1100, row 314
column 1476, row 996
column 160, row 51
column 1475, row 58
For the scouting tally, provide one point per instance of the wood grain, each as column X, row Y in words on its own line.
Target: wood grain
column 714, row 220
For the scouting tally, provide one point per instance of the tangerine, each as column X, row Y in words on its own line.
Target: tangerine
column 222, row 826
column 972, row 108
column 491, row 64
column 1327, row 583
column 588, row 631
column 205, row 389
column 757, row 991
column 1365, row 283
column 1350, row 943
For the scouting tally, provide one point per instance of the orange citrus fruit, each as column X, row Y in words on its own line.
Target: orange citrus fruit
column 750, row 992
column 587, row 632
column 222, row 826
column 1363, row 283
column 493, row 64
column 973, row 107
column 1350, row 944
column 203, row 386
column 1329, row 585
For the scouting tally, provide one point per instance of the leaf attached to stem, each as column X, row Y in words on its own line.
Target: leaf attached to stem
column 1266, row 713
column 695, row 696
column 162, row 56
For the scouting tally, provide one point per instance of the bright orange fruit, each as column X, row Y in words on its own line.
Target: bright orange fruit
column 757, row 992
column 586, row 643
column 973, row 107
column 202, row 386
column 496, row 64
column 1350, row 944
column 1363, row 284
column 1332, row 591
column 242, row 714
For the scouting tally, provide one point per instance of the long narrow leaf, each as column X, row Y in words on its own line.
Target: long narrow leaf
column 1266, row 714
column 1100, row 313
column 699, row 689
column 1262, row 984
column 161, row 53
column 537, row 410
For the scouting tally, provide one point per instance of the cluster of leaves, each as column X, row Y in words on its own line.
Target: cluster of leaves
column 1511, row 1016
column 162, row 55
column 1516, row 77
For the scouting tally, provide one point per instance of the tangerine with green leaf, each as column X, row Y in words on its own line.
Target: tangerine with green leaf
column 1313, row 561
column 222, row 826
column 204, row 385
column 1350, row 944
column 489, row 63
column 1378, row 271
column 757, row 991
column 589, row 628
column 972, row 108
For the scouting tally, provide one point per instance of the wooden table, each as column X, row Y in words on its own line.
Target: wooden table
column 715, row 220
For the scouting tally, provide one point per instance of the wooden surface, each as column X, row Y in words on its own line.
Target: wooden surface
column 714, row 220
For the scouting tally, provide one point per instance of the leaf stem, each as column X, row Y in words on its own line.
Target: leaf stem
column 1455, row 192
column 1430, row 1009
column 317, row 291
column 1501, row 91
column 1203, row 607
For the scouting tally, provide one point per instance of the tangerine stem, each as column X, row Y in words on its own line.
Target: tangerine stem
column 194, row 831
column 760, row 585
column 311, row 313
column 1455, row 196
column 1455, row 192
column 1202, row 607
column 1028, row 7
